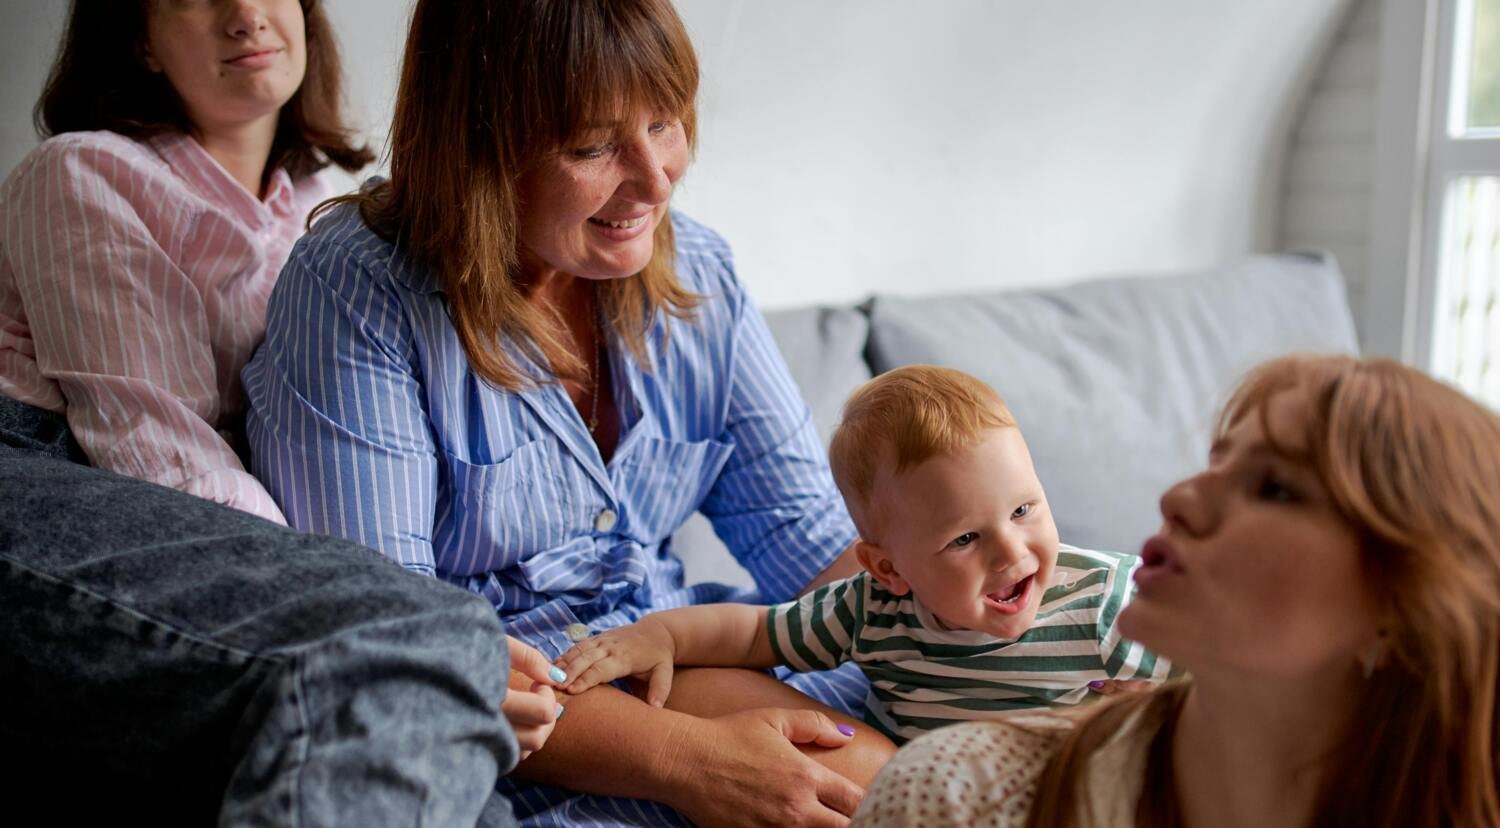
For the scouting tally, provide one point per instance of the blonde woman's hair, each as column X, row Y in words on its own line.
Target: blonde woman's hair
column 1414, row 466
column 489, row 88
column 904, row 417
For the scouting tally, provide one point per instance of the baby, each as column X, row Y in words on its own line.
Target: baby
column 968, row 606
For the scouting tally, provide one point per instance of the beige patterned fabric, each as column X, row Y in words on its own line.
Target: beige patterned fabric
column 985, row 774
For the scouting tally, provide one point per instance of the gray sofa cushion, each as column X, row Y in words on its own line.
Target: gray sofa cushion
column 1115, row 382
column 824, row 348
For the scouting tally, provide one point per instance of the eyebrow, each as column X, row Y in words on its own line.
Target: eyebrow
column 1258, row 451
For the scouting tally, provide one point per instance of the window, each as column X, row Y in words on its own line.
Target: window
column 1459, row 321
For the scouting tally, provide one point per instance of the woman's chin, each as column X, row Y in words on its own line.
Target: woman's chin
column 1135, row 623
column 612, row 268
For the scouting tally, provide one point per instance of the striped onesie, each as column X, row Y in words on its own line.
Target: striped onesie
column 923, row 676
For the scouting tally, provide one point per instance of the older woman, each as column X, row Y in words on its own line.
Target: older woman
column 1332, row 583
column 512, row 367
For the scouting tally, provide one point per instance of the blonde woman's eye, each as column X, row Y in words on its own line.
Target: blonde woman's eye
column 965, row 539
column 596, row 151
column 1273, row 490
column 1021, row 511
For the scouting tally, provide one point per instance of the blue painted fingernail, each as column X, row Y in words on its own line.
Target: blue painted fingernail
column 847, row 730
column 558, row 675
column 559, row 713
column 1096, row 684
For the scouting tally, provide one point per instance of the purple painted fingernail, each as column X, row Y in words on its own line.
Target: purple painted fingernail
column 1096, row 684
column 847, row 730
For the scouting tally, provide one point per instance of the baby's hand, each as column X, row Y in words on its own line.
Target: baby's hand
column 641, row 649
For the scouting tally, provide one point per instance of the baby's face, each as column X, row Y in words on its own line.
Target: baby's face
column 971, row 534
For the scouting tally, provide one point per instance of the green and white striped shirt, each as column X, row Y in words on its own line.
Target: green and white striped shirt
column 923, row 676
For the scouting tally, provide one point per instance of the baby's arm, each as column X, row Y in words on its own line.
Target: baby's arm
column 711, row 635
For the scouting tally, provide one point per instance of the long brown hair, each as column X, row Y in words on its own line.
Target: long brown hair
column 487, row 88
column 100, row 81
column 1414, row 466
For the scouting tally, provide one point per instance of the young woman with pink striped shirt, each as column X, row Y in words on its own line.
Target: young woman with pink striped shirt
column 138, row 244
column 167, row 659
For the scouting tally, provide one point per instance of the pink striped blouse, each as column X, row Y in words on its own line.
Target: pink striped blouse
column 133, row 284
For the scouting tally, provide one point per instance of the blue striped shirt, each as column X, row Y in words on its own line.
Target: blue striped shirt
column 367, row 422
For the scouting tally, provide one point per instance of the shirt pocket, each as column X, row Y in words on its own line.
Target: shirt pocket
column 663, row 482
column 495, row 515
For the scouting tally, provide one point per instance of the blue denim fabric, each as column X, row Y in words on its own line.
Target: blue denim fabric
column 167, row 660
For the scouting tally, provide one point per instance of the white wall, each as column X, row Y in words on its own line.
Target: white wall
column 855, row 146
column 1330, row 169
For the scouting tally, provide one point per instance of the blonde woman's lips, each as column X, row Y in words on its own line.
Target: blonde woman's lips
column 621, row 229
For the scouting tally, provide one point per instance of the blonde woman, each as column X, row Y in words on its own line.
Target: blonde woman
column 514, row 368
column 1332, row 584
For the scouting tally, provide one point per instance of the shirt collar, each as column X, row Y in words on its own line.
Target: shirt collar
column 192, row 163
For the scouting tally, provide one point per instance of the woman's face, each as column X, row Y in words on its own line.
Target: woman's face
column 1255, row 574
column 591, row 209
column 232, row 62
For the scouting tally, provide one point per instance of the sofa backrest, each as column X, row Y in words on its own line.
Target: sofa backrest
column 1114, row 382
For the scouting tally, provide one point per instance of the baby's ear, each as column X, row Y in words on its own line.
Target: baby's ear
column 878, row 564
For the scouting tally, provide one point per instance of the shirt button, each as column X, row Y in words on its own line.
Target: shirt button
column 576, row 632
column 605, row 521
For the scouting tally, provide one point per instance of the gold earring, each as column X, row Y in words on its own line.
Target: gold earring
column 1372, row 657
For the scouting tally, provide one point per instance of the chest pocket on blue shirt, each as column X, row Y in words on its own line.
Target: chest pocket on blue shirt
column 663, row 481
column 498, row 514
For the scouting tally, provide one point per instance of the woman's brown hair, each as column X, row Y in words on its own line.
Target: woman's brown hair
column 100, row 81
column 1414, row 466
column 487, row 89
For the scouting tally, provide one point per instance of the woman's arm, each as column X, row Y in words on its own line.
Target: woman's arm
column 774, row 502
column 116, row 324
column 336, row 419
column 613, row 744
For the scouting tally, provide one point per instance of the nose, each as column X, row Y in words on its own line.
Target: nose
column 1189, row 504
column 653, row 171
column 1011, row 550
column 246, row 19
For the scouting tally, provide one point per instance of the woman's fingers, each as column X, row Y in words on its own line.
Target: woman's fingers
column 522, row 708
column 529, row 661
column 803, row 726
column 1117, row 687
column 840, row 795
column 532, row 715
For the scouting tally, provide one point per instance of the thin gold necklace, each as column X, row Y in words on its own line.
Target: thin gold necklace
column 593, row 422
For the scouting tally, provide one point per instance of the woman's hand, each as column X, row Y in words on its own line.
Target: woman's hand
column 1122, row 687
column 747, row 770
column 644, row 649
column 530, row 704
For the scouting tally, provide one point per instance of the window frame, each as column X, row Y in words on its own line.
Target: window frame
column 1417, row 157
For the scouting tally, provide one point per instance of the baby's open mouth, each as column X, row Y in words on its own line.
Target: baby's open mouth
column 1012, row 597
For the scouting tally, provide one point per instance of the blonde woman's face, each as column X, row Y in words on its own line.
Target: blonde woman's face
column 232, row 62
column 1255, row 575
column 591, row 209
